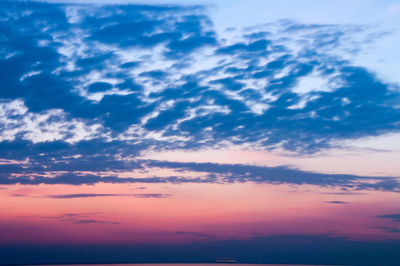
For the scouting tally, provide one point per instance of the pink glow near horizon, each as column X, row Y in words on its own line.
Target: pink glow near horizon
column 212, row 211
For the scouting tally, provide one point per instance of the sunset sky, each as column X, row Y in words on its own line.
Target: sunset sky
column 184, row 131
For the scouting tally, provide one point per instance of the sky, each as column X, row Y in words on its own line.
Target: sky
column 185, row 131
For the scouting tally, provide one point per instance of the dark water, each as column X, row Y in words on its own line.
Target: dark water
column 181, row 264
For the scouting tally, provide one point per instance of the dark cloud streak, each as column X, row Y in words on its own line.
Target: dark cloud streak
column 79, row 218
column 393, row 217
column 89, row 195
column 337, row 202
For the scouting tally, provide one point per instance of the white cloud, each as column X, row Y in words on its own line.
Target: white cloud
column 40, row 127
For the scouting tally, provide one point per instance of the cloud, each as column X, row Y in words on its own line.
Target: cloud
column 282, row 175
column 393, row 217
column 90, row 88
column 88, row 195
column 152, row 195
column 345, row 192
column 85, row 172
column 139, row 71
column 388, row 229
column 337, row 202
column 90, row 221
column 79, row 218
column 193, row 234
column 187, row 236
column 90, row 179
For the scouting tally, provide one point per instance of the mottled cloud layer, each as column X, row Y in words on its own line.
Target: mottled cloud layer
column 86, row 89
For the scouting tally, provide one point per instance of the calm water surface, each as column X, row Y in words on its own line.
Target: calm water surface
column 179, row 264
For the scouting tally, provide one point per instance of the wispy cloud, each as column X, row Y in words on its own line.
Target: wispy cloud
column 79, row 218
column 388, row 229
column 188, row 235
column 88, row 195
column 207, row 173
column 393, row 217
column 195, row 235
column 337, row 202
column 95, row 195
column 282, row 174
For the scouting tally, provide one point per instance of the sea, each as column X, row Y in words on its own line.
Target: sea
column 183, row 264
